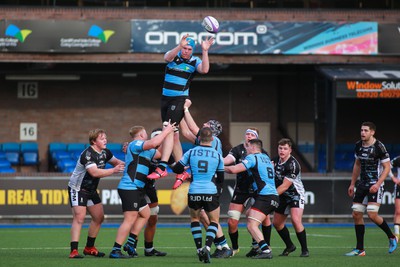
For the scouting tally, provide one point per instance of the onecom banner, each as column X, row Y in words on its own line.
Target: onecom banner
column 260, row 37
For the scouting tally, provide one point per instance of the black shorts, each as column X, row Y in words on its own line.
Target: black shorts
column 132, row 200
column 172, row 108
column 151, row 194
column 286, row 203
column 83, row 198
column 207, row 202
column 363, row 196
column 266, row 203
column 241, row 198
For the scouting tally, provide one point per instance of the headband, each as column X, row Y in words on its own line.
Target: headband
column 252, row 131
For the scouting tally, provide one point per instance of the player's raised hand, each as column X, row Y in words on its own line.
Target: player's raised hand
column 183, row 41
column 207, row 43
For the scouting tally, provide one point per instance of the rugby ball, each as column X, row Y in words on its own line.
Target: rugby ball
column 210, row 24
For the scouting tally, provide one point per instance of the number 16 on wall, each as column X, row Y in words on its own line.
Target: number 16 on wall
column 28, row 131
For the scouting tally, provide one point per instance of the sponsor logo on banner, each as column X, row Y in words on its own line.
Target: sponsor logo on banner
column 100, row 36
column 17, row 36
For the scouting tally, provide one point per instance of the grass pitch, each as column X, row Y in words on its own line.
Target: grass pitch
column 49, row 247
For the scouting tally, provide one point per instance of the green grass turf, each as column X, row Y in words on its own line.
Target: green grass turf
column 49, row 247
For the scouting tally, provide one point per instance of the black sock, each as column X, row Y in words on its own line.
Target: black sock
column 385, row 227
column 284, row 234
column 360, row 231
column 74, row 245
column 234, row 239
column 148, row 244
column 302, row 237
column 266, row 230
column 90, row 241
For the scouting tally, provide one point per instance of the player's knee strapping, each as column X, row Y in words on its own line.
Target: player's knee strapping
column 154, row 210
column 234, row 214
column 358, row 207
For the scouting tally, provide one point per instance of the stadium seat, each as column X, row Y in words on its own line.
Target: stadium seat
column 114, row 147
column 109, row 166
column 66, row 164
column 76, row 154
column 12, row 152
column 55, row 147
column 2, row 155
column 13, row 158
column 29, row 147
column 119, row 155
column 30, row 159
column 71, row 147
column 5, row 166
column 30, row 154
column 11, row 147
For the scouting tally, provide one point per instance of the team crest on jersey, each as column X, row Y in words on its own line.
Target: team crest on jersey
column 88, row 155
column 139, row 143
column 173, row 107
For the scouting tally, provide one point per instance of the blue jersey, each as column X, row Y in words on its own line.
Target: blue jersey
column 137, row 164
column 178, row 76
column 204, row 162
column 262, row 170
column 216, row 143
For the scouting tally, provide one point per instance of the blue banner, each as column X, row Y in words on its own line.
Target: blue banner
column 255, row 37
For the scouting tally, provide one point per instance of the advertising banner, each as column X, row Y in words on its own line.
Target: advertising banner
column 260, row 37
column 36, row 196
column 389, row 38
column 368, row 89
column 62, row 36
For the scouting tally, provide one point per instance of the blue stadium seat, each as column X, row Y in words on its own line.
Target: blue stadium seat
column 31, row 159
column 2, row 155
column 71, row 147
column 59, row 156
column 55, row 147
column 30, row 154
column 13, row 158
column 109, row 166
column 76, row 154
column 119, row 155
column 66, row 164
column 29, row 147
column 114, row 147
column 5, row 166
column 11, row 147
